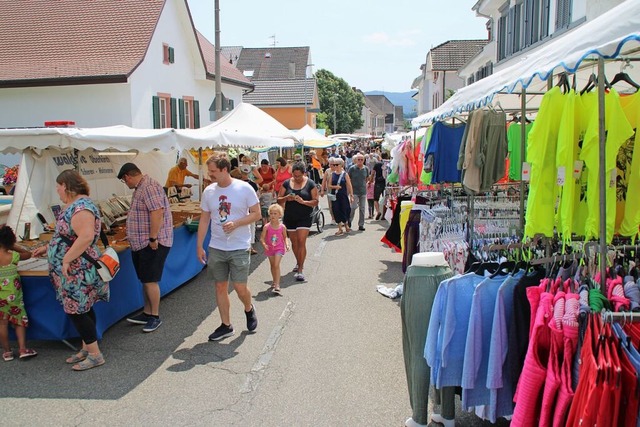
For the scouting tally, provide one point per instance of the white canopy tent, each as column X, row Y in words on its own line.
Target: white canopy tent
column 246, row 126
column 615, row 33
column 311, row 138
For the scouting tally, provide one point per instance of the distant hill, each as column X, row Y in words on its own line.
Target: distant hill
column 399, row 98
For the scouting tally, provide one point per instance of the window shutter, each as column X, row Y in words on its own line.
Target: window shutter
column 171, row 56
column 155, row 107
column 544, row 21
column 174, row 114
column 196, row 114
column 181, row 112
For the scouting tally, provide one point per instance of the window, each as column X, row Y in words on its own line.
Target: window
column 563, row 14
column 168, row 54
column 189, row 112
column 524, row 24
column 164, row 111
column 188, row 116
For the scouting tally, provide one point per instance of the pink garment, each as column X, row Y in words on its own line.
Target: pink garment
column 570, row 337
column 556, row 354
column 534, row 372
column 274, row 240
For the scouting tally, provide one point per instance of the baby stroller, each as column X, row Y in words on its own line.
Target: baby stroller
column 317, row 218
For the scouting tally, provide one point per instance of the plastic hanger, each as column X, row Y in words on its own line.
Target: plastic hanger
column 623, row 77
column 591, row 84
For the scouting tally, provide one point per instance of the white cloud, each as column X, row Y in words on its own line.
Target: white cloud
column 401, row 38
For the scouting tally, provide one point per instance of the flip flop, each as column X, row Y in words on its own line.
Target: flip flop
column 27, row 352
column 276, row 291
column 7, row 356
column 339, row 233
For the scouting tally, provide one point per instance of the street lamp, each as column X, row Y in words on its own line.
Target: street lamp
column 305, row 92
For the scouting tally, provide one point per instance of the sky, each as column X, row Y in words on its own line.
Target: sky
column 371, row 44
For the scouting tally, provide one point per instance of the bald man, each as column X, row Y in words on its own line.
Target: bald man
column 178, row 173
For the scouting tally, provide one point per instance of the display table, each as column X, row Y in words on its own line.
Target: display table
column 47, row 320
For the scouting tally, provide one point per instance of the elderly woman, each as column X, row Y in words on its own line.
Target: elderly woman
column 339, row 185
column 75, row 279
column 298, row 195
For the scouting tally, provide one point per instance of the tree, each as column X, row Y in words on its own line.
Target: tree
column 348, row 103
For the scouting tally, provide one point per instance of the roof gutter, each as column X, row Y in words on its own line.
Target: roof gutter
column 64, row 81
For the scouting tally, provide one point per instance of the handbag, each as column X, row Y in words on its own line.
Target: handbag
column 108, row 264
column 332, row 196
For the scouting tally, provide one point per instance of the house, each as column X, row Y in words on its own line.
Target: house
column 284, row 84
column 520, row 27
column 127, row 62
column 394, row 119
column 439, row 74
column 372, row 118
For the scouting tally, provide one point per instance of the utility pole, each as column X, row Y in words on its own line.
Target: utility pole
column 218, row 77
column 306, row 115
column 335, row 124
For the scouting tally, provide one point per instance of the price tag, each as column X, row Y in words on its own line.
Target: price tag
column 526, row 172
column 561, row 175
column 612, row 178
column 577, row 169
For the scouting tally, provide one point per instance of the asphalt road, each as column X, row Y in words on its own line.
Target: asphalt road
column 328, row 352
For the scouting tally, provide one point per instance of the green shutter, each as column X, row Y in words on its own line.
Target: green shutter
column 181, row 112
column 174, row 114
column 155, row 107
column 196, row 114
column 171, row 56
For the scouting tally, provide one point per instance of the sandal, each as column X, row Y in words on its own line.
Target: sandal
column 27, row 353
column 7, row 356
column 90, row 362
column 78, row 357
column 276, row 290
column 338, row 233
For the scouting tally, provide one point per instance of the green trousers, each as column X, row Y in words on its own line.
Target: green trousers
column 419, row 290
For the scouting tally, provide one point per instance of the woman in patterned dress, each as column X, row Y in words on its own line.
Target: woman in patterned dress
column 75, row 279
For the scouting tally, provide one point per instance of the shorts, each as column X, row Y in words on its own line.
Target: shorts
column 149, row 263
column 378, row 189
column 295, row 224
column 229, row 266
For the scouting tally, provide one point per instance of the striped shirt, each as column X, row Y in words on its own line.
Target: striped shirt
column 148, row 196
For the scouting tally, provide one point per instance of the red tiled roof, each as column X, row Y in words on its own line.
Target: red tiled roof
column 70, row 39
column 228, row 71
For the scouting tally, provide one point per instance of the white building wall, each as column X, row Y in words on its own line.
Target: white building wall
column 87, row 105
column 595, row 8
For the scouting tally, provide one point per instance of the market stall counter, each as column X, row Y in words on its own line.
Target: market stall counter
column 47, row 320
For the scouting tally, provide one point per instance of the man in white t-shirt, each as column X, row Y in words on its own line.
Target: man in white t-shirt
column 228, row 208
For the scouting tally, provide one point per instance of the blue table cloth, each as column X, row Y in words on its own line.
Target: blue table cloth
column 47, row 320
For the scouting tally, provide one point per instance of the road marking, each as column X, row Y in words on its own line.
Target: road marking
column 320, row 248
column 258, row 369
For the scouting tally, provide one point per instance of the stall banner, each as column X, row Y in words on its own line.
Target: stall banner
column 92, row 165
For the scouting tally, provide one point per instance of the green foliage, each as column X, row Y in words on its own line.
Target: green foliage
column 347, row 109
column 322, row 122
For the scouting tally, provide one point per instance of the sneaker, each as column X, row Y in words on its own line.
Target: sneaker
column 378, row 216
column 152, row 324
column 300, row 277
column 252, row 320
column 295, row 268
column 140, row 319
column 361, row 228
column 223, row 331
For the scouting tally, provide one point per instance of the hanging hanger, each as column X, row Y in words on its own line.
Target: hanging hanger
column 624, row 77
column 563, row 82
column 591, row 84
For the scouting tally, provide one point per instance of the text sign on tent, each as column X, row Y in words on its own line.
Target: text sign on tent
column 92, row 165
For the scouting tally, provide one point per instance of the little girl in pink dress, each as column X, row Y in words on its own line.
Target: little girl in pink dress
column 275, row 243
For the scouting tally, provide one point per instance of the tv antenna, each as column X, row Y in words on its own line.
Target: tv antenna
column 274, row 43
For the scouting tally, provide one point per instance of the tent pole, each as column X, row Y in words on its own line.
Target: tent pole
column 200, row 174
column 602, row 171
column 523, row 148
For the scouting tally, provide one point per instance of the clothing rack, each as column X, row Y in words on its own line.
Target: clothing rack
column 617, row 316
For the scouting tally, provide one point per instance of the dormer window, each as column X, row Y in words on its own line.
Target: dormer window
column 267, row 55
column 167, row 54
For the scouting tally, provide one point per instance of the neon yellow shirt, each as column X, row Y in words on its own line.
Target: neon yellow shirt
column 566, row 155
column 541, row 154
column 631, row 209
column 618, row 131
